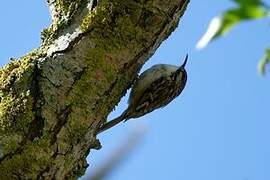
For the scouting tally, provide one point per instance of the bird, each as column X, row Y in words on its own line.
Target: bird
column 154, row 88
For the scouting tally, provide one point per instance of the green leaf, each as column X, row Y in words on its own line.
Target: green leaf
column 234, row 16
column 264, row 61
column 248, row 2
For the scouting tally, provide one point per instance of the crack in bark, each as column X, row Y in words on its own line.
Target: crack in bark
column 62, row 120
column 37, row 125
column 95, row 3
column 17, row 151
column 40, row 175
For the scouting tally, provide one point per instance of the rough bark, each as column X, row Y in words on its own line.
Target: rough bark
column 53, row 99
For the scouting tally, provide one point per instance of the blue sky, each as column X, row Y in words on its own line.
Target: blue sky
column 217, row 129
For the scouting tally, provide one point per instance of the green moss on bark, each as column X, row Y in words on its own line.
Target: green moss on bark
column 16, row 101
column 30, row 162
column 116, row 27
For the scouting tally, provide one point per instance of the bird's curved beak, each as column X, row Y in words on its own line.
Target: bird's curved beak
column 185, row 62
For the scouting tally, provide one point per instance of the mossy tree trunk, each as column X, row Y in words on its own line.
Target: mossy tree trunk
column 53, row 99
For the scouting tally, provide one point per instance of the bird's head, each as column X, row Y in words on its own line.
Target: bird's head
column 180, row 74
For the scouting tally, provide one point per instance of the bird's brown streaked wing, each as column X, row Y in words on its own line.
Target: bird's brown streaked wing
column 157, row 95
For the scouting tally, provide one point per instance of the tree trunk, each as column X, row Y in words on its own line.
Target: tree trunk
column 53, row 100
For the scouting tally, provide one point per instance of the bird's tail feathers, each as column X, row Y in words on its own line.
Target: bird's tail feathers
column 123, row 117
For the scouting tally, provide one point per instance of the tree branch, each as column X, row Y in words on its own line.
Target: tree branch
column 53, row 100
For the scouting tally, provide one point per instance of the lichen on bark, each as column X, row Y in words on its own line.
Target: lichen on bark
column 16, row 101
